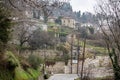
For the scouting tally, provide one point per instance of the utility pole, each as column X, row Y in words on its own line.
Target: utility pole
column 44, row 65
column 83, row 59
column 71, row 52
column 78, row 51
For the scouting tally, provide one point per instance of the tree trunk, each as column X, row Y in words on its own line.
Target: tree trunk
column 116, row 67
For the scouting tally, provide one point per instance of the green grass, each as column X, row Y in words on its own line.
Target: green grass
column 77, row 79
column 96, row 49
column 60, row 29
column 52, row 24
column 21, row 74
column 17, row 73
column 34, row 73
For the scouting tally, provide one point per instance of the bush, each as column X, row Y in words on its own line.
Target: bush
column 2, row 47
column 5, row 25
column 46, row 76
column 5, row 74
column 35, row 61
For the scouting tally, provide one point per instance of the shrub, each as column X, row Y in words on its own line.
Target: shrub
column 5, row 24
column 35, row 61
column 46, row 76
column 5, row 74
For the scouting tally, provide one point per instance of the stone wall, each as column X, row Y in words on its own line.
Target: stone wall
column 41, row 53
column 57, row 68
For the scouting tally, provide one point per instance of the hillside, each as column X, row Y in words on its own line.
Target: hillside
column 67, row 11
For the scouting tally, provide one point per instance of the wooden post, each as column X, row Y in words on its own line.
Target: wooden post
column 71, row 52
column 44, row 65
column 78, row 51
column 83, row 59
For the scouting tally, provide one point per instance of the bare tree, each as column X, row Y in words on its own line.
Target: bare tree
column 20, row 10
column 45, row 7
column 39, row 39
column 21, row 35
column 108, row 13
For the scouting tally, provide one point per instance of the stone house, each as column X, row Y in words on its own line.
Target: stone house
column 69, row 22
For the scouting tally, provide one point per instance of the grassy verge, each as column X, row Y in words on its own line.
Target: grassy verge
column 97, row 50
column 12, row 69
column 101, row 51
column 21, row 74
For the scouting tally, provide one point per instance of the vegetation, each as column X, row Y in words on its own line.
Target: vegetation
column 65, row 51
column 108, row 12
column 5, row 23
column 104, row 78
column 35, row 61
column 21, row 74
column 58, row 20
column 27, row 36
column 94, row 47
column 14, row 69
column 5, row 26
column 5, row 74
column 11, row 67
column 97, row 50
column 40, row 39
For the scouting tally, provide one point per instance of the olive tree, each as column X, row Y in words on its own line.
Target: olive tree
column 39, row 39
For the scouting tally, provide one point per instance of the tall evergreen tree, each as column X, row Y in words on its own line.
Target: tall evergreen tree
column 5, row 23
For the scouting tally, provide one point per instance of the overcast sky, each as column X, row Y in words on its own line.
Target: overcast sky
column 83, row 5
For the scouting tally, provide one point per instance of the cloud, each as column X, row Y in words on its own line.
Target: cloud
column 83, row 5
